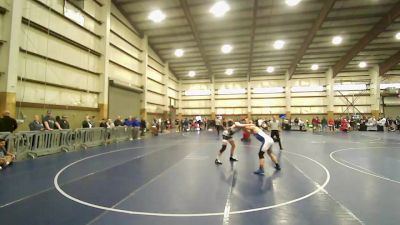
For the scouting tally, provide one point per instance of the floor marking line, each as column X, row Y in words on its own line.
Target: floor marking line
column 331, row 155
column 84, row 176
column 227, row 209
column 320, row 188
column 348, row 211
column 137, row 190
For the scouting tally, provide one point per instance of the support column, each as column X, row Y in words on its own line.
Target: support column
column 104, row 59
column 249, row 110
column 145, row 58
column 180, row 116
column 9, row 55
column 330, row 94
column 165, row 91
column 375, row 91
column 213, row 97
column 288, row 95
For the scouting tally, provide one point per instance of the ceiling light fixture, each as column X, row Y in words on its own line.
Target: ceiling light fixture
column 229, row 72
column 292, row 2
column 226, row 49
column 192, row 73
column 179, row 52
column 362, row 64
column 337, row 40
column 219, row 9
column 279, row 44
column 156, row 16
column 314, row 67
column 398, row 36
column 270, row 69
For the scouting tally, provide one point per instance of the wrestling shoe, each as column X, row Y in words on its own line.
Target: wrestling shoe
column 218, row 162
column 277, row 167
column 232, row 159
column 259, row 172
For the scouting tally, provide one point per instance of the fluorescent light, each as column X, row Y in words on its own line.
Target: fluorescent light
column 393, row 85
column 197, row 92
column 268, row 90
column 219, row 9
column 307, row 89
column 362, row 64
column 398, row 36
column 233, row 91
column 314, row 67
column 270, row 69
column 279, row 44
column 229, row 71
column 192, row 73
column 292, row 2
column 337, row 40
column 179, row 52
column 156, row 16
column 350, row 87
column 226, row 49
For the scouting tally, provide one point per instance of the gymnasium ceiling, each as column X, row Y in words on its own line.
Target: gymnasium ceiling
column 368, row 29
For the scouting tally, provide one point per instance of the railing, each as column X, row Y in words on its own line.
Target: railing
column 32, row 144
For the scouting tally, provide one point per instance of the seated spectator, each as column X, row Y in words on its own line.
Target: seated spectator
column 36, row 124
column 7, row 123
column 64, row 124
column 6, row 158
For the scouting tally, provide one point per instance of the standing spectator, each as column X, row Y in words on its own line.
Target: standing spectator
column 118, row 122
column 6, row 158
column 129, row 122
column 87, row 123
column 103, row 123
column 110, row 123
column 324, row 124
column 64, row 124
column 275, row 128
column 143, row 127
column 218, row 125
column 36, row 124
column 49, row 122
column 7, row 123
column 331, row 124
column 58, row 121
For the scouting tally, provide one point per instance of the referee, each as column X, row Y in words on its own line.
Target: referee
column 274, row 125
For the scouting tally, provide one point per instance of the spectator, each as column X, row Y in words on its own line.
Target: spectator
column 6, row 158
column 7, row 123
column 118, row 122
column 50, row 123
column 143, row 127
column 324, row 124
column 103, row 123
column 129, row 122
column 36, row 124
column 331, row 124
column 64, row 124
column 87, row 123
column 110, row 123
column 58, row 120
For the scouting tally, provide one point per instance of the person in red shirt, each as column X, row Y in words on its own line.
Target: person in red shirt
column 331, row 124
column 344, row 125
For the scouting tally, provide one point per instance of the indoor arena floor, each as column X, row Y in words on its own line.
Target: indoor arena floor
column 326, row 179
